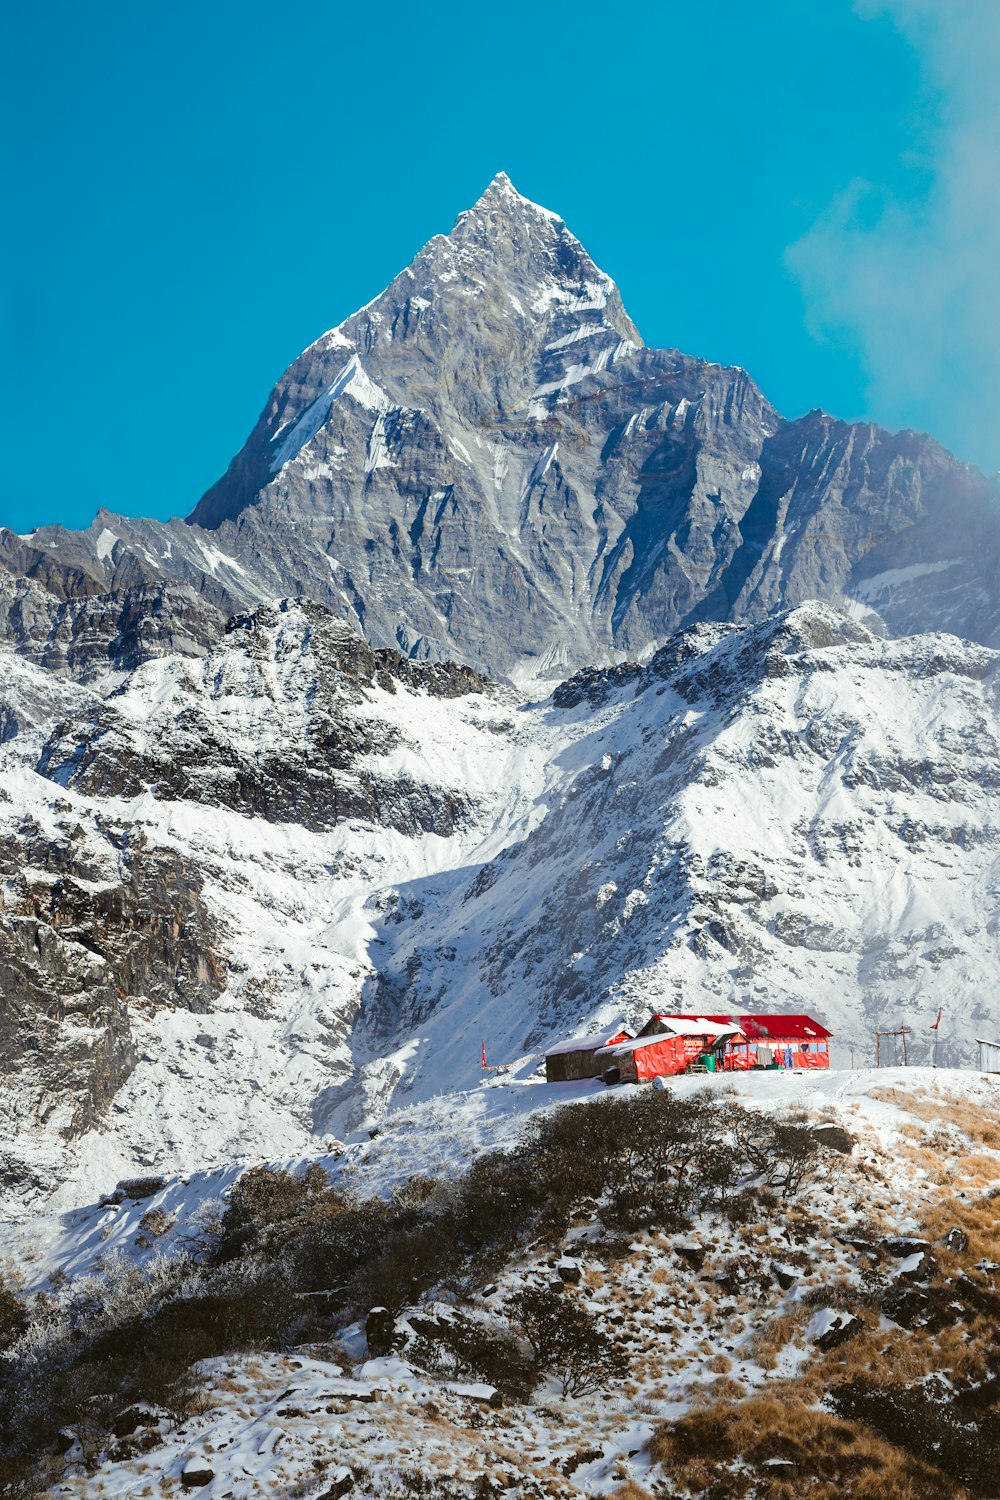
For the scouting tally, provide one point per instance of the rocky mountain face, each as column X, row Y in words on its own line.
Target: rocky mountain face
column 487, row 464
column 113, row 908
column 263, row 895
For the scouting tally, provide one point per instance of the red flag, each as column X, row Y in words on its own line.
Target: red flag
column 484, row 1054
column 937, row 1023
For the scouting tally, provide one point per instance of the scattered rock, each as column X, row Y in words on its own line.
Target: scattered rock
column 907, row 1306
column 342, row 1483
column 956, row 1239
column 932, row 1308
column 693, row 1254
column 127, row 1420
column 582, row 1456
column 903, row 1245
column 918, row 1266
column 570, row 1272
column 138, row 1187
column 856, row 1241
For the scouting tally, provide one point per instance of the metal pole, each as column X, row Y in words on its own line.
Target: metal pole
column 902, row 1032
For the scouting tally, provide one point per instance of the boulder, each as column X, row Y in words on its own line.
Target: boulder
column 380, row 1331
column 904, row 1245
column 831, row 1328
column 341, row 1484
column 921, row 1307
column 130, row 1417
column 785, row 1276
column 138, row 1187
column 833, row 1138
column 917, row 1266
column 957, row 1240
column 196, row 1473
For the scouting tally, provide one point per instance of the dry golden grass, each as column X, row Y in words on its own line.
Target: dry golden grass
column 632, row 1491
column 772, row 1337
column 939, row 1172
column 231, row 1387
column 829, row 1458
column 979, row 1172
column 913, row 1101
column 903, row 1354
column 978, row 1217
column 979, row 1122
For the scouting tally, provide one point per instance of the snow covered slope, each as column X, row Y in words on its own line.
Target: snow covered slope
column 261, row 898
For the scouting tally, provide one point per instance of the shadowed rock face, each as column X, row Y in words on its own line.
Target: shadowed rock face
column 87, row 635
column 286, row 727
column 90, row 931
column 486, row 464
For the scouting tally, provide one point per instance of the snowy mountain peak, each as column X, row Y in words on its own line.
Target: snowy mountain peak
column 501, row 196
column 485, row 464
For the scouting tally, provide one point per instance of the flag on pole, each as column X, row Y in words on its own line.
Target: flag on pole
column 937, row 1023
column 484, row 1054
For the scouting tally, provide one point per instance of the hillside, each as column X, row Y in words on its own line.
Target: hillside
column 815, row 1315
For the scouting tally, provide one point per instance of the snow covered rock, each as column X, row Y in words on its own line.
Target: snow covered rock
column 196, row 1473
column 273, row 723
column 830, row 1328
column 380, row 1332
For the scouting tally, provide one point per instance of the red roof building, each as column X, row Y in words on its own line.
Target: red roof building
column 789, row 1041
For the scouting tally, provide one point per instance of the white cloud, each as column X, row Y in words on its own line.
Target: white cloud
column 918, row 287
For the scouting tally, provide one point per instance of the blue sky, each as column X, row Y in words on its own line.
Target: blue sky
column 195, row 192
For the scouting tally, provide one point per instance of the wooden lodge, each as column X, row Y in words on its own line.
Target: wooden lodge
column 578, row 1057
column 618, row 1057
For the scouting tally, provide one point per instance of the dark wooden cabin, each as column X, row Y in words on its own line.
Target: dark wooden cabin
column 581, row 1056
